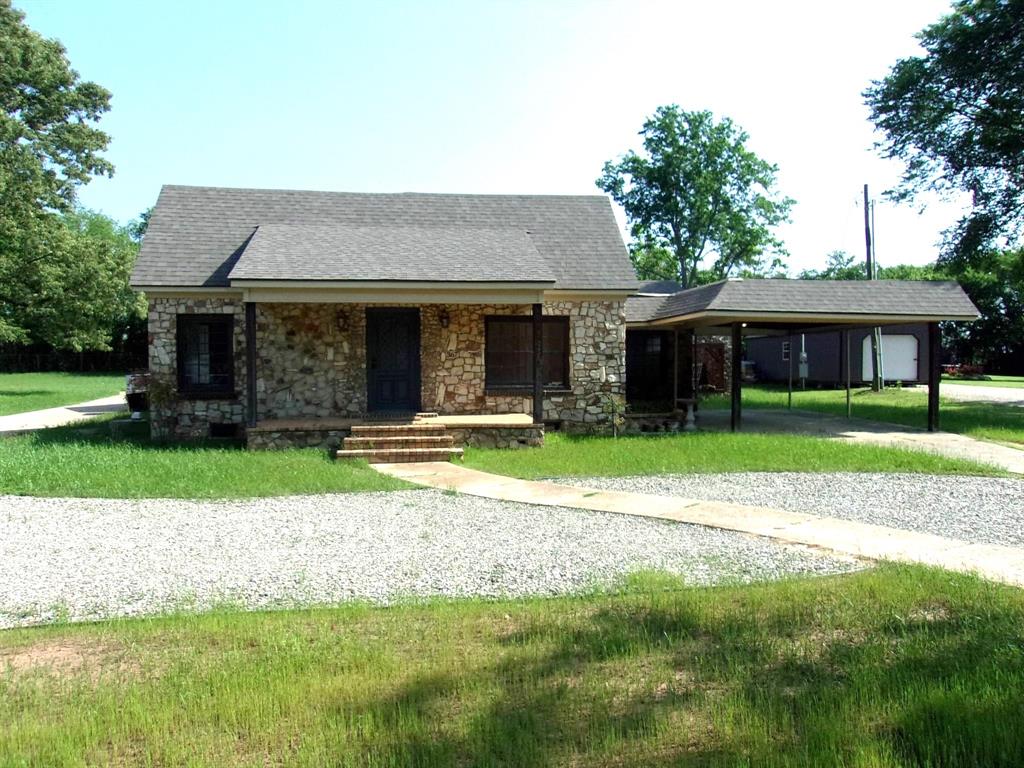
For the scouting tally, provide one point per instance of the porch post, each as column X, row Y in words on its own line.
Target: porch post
column 250, row 362
column 736, row 416
column 934, row 375
column 675, row 369
column 538, row 363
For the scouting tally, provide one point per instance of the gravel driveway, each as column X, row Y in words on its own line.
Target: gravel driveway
column 92, row 558
column 982, row 394
column 983, row 510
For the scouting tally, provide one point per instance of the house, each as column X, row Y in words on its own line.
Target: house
column 904, row 356
column 273, row 307
column 401, row 320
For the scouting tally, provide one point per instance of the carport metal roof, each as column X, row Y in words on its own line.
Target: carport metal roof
column 788, row 304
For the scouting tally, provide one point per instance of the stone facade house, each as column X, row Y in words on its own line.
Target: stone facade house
column 275, row 307
column 414, row 320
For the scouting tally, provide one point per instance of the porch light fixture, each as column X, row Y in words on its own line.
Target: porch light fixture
column 341, row 320
column 443, row 318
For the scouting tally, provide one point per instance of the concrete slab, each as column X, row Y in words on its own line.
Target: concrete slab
column 19, row 423
column 871, row 433
column 1005, row 564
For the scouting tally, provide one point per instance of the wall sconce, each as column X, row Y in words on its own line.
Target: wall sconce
column 341, row 320
column 443, row 318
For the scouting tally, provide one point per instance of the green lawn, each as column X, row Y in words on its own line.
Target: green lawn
column 33, row 391
column 992, row 381
column 83, row 460
column 565, row 456
column 895, row 666
column 1002, row 423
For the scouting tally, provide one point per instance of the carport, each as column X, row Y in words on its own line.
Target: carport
column 744, row 308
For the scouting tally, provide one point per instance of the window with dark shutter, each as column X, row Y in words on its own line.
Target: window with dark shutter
column 205, row 355
column 508, row 352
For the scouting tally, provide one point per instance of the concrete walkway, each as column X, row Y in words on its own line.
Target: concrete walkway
column 1005, row 564
column 870, row 432
column 17, row 423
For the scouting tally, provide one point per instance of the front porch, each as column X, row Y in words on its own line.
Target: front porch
column 508, row 430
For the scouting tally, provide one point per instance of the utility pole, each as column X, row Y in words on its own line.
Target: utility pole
column 876, row 333
column 878, row 350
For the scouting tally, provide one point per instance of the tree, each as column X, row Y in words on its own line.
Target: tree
column 955, row 116
column 48, row 147
column 697, row 193
column 995, row 283
column 82, row 297
column 137, row 228
column 840, row 266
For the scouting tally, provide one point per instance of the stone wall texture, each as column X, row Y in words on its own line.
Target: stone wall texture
column 172, row 417
column 312, row 363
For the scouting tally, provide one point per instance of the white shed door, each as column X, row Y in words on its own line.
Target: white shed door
column 899, row 358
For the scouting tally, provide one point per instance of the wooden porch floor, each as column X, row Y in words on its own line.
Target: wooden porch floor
column 455, row 422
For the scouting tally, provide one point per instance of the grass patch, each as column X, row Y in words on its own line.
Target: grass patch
column 990, row 381
column 569, row 456
column 897, row 666
column 21, row 392
column 987, row 421
column 83, row 460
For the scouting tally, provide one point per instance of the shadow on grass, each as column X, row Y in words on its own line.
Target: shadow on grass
column 667, row 680
column 26, row 392
column 98, row 432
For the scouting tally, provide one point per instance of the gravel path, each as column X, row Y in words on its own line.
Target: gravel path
column 983, row 510
column 82, row 559
column 981, row 394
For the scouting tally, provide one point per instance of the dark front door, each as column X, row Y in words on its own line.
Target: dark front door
column 393, row 359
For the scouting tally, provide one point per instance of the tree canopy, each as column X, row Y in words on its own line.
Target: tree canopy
column 955, row 116
column 696, row 194
column 49, row 146
column 839, row 265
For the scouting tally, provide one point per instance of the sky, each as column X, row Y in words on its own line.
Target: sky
column 499, row 96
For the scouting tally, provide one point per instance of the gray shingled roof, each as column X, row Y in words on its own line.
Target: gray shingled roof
column 909, row 298
column 197, row 234
column 333, row 252
column 663, row 287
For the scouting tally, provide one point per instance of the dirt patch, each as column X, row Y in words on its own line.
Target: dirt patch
column 68, row 658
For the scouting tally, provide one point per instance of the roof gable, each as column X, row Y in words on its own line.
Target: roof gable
column 363, row 253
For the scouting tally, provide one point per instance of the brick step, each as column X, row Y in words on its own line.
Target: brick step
column 400, row 455
column 399, row 441
column 427, row 415
column 396, row 430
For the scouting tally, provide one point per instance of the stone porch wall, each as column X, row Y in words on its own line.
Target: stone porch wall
column 312, row 363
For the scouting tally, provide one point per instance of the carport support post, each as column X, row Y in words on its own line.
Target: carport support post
column 934, row 375
column 250, row 362
column 737, row 377
column 846, row 349
column 789, row 394
column 538, row 363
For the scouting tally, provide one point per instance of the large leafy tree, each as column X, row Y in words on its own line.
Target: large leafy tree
column 995, row 282
column 49, row 146
column 700, row 205
column 839, row 265
column 955, row 116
